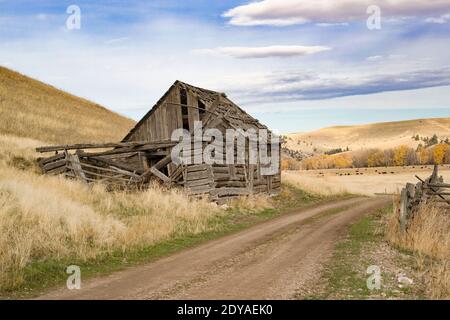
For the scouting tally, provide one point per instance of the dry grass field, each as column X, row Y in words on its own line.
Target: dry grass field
column 366, row 181
column 32, row 109
column 428, row 236
column 46, row 218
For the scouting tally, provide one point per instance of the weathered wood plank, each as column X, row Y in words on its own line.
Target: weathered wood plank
column 89, row 173
column 200, row 182
column 147, row 147
column 111, row 169
column 250, row 181
column 44, row 161
column 58, row 170
column 76, row 167
column 163, row 162
column 222, row 192
column 223, row 176
column 197, row 175
column 54, row 165
column 197, row 167
column 117, row 164
column 177, row 173
column 225, row 170
column 160, row 175
column 231, row 184
column 98, row 145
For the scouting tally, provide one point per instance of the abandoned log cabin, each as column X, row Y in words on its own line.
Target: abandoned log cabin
column 145, row 152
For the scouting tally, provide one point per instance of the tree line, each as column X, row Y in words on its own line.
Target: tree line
column 399, row 156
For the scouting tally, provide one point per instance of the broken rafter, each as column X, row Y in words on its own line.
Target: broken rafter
column 110, row 169
column 144, row 147
column 155, row 170
column 100, row 145
column 160, row 175
column 114, row 164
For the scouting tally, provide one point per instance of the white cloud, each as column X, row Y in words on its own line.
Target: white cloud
column 262, row 52
column 439, row 20
column 310, row 85
column 337, row 24
column 116, row 40
column 384, row 58
column 290, row 12
column 374, row 58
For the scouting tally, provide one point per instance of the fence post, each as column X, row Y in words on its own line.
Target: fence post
column 403, row 209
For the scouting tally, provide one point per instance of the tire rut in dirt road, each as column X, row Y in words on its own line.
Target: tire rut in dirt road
column 277, row 259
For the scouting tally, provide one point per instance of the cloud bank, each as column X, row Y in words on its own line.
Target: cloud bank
column 439, row 20
column 296, row 86
column 262, row 52
column 290, row 12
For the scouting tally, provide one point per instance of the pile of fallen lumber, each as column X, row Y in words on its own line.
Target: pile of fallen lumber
column 136, row 165
column 123, row 165
column 431, row 190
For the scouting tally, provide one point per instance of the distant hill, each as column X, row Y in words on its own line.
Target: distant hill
column 32, row 109
column 381, row 135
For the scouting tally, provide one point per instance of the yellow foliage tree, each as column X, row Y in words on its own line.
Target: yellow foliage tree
column 400, row 154
column 376, row 159
column 342, row 161
column 439, row 152
column 290, row 164
column 423, row 154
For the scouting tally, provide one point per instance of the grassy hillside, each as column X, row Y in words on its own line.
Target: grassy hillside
column 377, row 135
column 32, row 109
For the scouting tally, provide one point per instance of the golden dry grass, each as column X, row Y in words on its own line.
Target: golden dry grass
column 251, row 204
column 53, row 218
column 312, row 184
column 32, row 109
column 428, row 236
column 369, row 181
column 50, row 217
column 381, row 135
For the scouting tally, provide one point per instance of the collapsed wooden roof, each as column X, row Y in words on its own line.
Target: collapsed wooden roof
column 222, row 108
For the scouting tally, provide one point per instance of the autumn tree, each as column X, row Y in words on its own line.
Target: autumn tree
column 422, row 154
column 389, row 157
column 400, row 155
column 439, row 152
column 342, row 161
column 376, row 159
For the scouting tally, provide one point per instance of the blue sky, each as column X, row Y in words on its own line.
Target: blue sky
column 294, row 64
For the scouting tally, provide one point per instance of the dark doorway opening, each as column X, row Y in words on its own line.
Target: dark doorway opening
column 184, row 108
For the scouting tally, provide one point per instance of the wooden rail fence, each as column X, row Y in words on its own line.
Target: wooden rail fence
column 124, row 165
column 433, row 189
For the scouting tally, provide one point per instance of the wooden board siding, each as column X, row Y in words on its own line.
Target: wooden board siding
column 199, row 179
column 163, row 121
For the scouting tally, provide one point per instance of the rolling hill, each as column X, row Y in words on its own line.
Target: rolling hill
column 381, row 135
column 32, row 109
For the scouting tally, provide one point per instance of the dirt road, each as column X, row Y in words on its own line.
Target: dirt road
column 277, row 259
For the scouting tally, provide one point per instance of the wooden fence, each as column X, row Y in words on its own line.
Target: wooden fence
column 123, row 165
column 433, row 189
